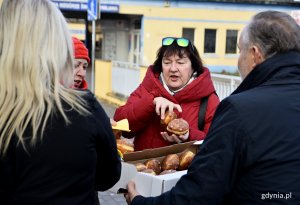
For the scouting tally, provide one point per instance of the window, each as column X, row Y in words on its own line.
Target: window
column 188, row 33
column 231, row 41
column 210, row 40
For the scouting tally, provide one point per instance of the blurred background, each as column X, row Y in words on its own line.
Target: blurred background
column 123, row 36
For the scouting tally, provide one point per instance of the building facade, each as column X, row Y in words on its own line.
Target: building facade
column 131, row 31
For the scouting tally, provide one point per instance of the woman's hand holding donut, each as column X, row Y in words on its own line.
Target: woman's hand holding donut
column 162, row 105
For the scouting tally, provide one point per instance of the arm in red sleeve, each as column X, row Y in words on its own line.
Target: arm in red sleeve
column 139, row 109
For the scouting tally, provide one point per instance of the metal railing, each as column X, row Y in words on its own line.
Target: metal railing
column 126, row 78
column 225, row 84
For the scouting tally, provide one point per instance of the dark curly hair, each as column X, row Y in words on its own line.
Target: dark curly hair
column 190, row 51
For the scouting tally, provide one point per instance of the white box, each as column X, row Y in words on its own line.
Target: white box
column 148, row 184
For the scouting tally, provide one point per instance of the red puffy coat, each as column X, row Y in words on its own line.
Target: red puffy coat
column 144, row 123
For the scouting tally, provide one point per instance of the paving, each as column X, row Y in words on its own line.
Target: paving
column 107, row 197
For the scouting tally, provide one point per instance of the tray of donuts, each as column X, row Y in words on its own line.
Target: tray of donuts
column 167, row 163
column 157, row 170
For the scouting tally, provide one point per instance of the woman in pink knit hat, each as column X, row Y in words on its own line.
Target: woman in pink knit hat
column 82, row 60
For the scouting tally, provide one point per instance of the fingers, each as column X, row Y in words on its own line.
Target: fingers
column 164, row 136
column 176, row 139
column 131, row 192
column 157, row 104
column 131, row 186
column 163, row 111
column 178, row 107
column 127, row 199
column 162, row 105
column 170, row 138
column 184, row 137
column 112, row 122
column 171, row 107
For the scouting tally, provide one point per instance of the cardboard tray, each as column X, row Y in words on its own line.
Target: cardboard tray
column 147, row 184
column 157, row 152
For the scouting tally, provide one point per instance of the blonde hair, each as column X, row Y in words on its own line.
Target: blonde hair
column 36, row 58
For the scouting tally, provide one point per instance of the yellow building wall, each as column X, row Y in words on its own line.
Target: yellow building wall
column 103, row 82
column 102, row 77
column 77, row 30
column 159, row 22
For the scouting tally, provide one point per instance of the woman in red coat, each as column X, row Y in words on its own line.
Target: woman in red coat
column 177, row 81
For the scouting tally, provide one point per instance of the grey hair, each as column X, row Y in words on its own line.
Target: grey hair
column 273, row 32
column 36, row 58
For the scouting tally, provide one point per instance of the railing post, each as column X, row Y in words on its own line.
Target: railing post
column 231, row 85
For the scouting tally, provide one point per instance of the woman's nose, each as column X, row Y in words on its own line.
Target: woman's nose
column 173, row 66
column 81, row 71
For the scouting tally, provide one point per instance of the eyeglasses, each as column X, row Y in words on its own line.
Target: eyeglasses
column 182, row 42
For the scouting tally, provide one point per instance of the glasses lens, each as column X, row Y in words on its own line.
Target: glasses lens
column 167, row 41
column 183, row 42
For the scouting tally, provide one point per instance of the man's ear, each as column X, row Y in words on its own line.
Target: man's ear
column 257, row 55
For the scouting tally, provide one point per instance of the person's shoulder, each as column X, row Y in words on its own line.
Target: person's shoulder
column 235, row 100
column 88, row 95
column 151, row 73
column 90, row 99
column 244, row 102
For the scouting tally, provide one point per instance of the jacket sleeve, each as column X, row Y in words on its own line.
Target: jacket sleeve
column 213, row 171
column 139, row 109
column 108, row 161
column 212, row 104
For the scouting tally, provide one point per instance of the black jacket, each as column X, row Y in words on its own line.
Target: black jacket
column 252, row 152
column 66, row 166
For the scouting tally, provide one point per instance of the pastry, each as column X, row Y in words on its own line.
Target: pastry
column 140, row 167
column 169, row 116
column 178, row 127
column 124, row 146
column 185, row 159
column 153, row 164
column 171, row 161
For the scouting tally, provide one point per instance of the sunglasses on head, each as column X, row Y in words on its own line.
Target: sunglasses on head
column 182, row 42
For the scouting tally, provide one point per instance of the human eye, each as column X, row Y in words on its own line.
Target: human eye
column 166, row 62
column 181, row 61
column 77, row 65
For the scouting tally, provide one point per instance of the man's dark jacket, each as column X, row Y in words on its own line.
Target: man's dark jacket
column 252, row 152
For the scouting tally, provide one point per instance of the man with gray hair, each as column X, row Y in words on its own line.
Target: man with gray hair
column 252, row 152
